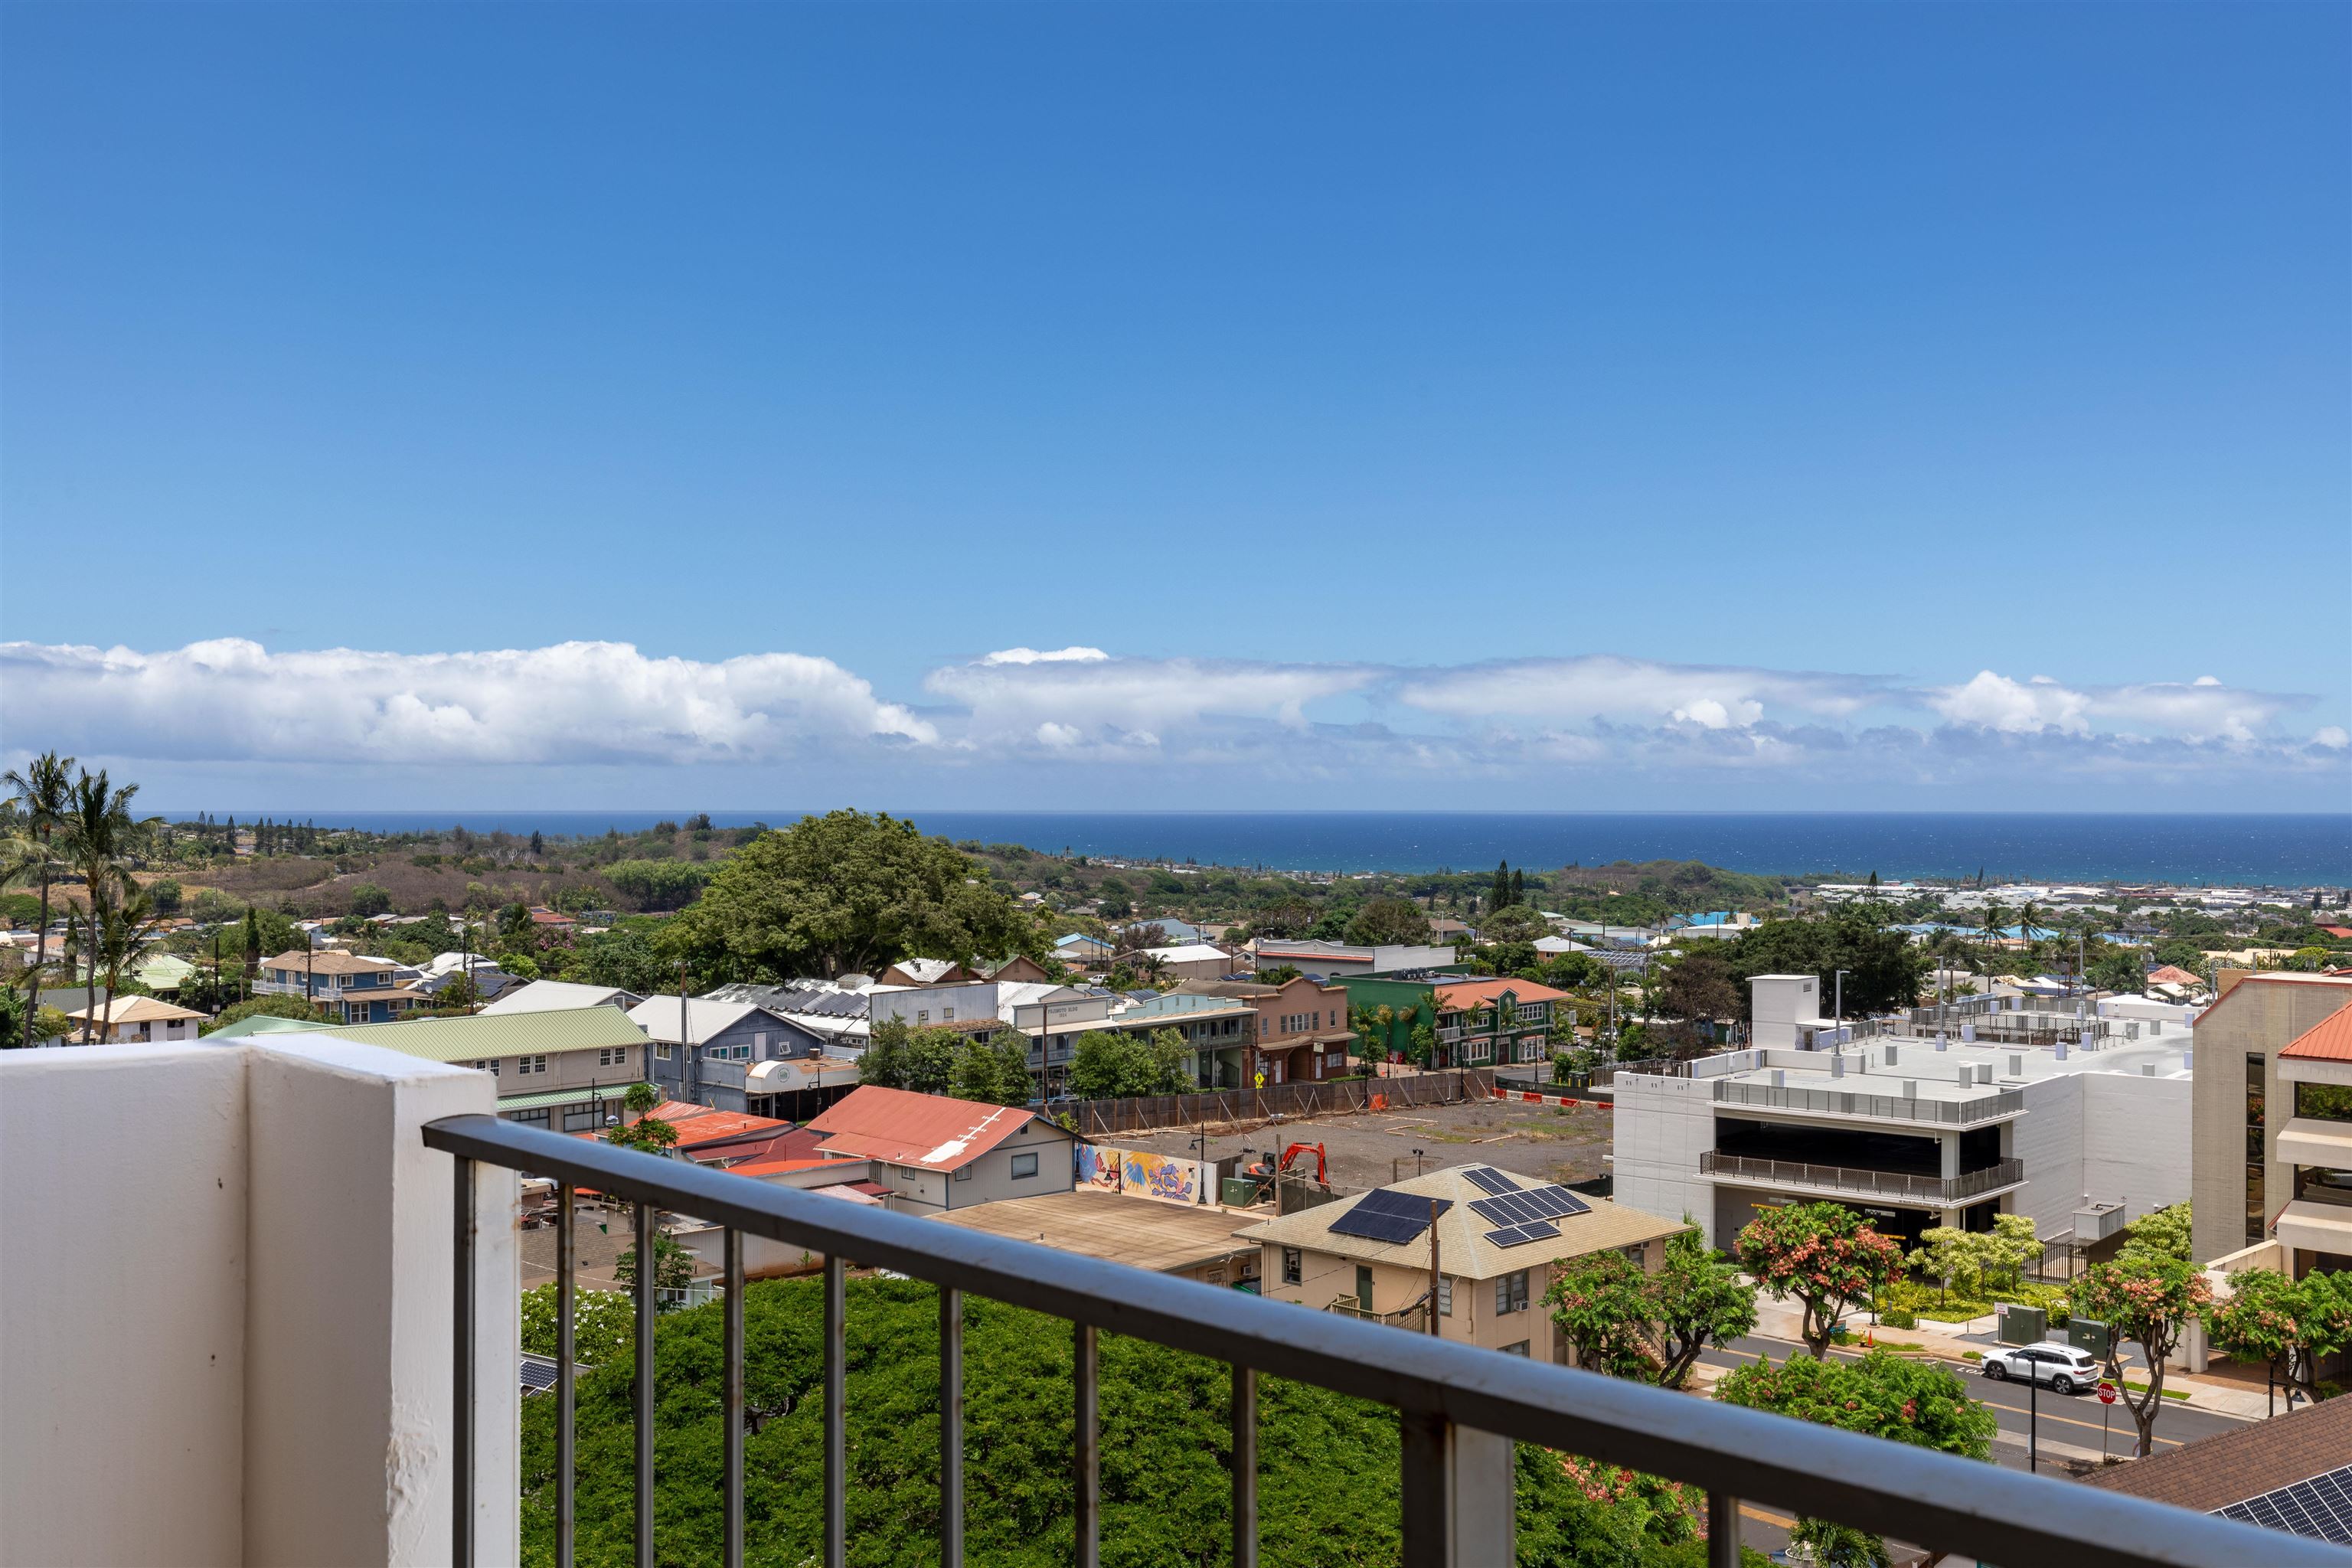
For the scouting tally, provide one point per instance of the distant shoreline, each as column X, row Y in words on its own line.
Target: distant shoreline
column 2241, row 849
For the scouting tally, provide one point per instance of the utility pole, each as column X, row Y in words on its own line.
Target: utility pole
column 687, row 1074
column 1839, row 980
column 1432, row 1262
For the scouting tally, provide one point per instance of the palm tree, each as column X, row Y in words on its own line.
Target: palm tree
column 126, row 931
column 100, row 836
column 1993, row 922
column 41, row 795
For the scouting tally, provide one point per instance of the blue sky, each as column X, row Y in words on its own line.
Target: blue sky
column 1578, row 406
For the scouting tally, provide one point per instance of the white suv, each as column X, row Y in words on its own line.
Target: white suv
column 2060, row 1366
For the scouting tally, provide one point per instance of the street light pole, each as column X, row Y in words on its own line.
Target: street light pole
column 1839, row 981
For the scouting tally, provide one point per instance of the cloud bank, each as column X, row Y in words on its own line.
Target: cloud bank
column 1540, row 721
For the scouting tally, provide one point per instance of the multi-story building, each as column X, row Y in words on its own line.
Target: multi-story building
column 1334, row 959
column 1302, row 1027
column 565, row 1070
column 727, row 1054
column 1913, row 1133
column 1477, row 1023
column 1369, row 1256
column 2273, row 1159
column 347, row 986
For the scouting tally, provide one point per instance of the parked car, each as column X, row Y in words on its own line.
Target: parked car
column 2060, row 1366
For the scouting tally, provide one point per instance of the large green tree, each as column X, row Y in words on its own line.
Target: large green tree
column 623, row 960
column 1108, row 1065
column 1387, row 921
column 1652, row 1326
column 1883, row 1395
column 1327, row 1476
column 1824, row 1255
column 848, row 892
column 1884, row 969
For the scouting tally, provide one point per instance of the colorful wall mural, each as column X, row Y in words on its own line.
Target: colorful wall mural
column 1140, row 1174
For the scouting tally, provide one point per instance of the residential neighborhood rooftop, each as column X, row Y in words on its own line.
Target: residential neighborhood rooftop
column 1141, row 1232
column 484, row 1035
column 907, row 1129
column 1464, row 1244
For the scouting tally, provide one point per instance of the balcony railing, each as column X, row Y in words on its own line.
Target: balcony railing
column 1460, row 1407
column 1883, row 1107
column 1871, row 1184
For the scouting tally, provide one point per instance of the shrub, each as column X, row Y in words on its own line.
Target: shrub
column 1898, row 1318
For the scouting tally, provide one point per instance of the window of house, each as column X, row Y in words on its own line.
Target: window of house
column 2324, row 1101
column 1520, row 1349
column 661, row 1051
column 947, row 1014
column 1638, row 1254
column 1023, row 1165
column 526, row 1066
column 2255, row 1207
column 581, row 1121
column 1294, row 1266
column 963, row 1173
column 923, row 1016
column 529, row 1118
column 1446, row 1295
column 1511, row 1292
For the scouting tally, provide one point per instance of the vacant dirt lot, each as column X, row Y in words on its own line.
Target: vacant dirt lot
column 1367, row 1150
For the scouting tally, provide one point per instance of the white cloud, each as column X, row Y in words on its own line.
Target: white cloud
column 1128, row 704
column 574, row 703
column 1591, row 723
column 1600, row 686
column 2017, row 708
column 1058, row 655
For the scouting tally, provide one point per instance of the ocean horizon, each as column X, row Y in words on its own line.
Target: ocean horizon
column 2283, row 849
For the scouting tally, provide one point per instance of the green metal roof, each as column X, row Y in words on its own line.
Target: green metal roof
column 497, row 1033
column 264, row 1024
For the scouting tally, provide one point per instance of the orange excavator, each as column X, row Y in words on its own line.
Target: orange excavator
column 1264, row 1172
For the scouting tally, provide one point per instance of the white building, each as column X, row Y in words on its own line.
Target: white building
column 1911, row 1131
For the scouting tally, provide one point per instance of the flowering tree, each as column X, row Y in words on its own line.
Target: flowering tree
column 2148, row 1298
column 2289, row 1324
column 1628, row 1323
column 1824, row 1255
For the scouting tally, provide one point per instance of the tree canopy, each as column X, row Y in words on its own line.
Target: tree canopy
column 1108, row 1065
column 1824, row 1255
column 1651, row 1326
column 1327, row 1464
column 2147, row 1298
column 1883, row 970
column 1396, row 920
column 848, row 892
column 2291, row 1324
column 992, row 1067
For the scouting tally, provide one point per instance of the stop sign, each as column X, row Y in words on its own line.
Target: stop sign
column 2106, row 1391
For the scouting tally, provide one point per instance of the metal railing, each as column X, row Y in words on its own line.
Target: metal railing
column 1890, row 1107
column 1459, row 1407
column 1873, row 1184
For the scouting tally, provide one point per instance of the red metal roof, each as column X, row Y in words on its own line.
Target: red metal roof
column 905, row 1129
column 1474, row 993
column 2329, row 1040
column 792, row 1143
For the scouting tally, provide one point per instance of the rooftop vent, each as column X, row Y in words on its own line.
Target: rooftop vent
column 2059, row 1051
column 1890, row 1056
column 1910, row 1088
column 2148, row 1069
column 2016, row 1065
column 1779, row 1078
column 1837, row 1065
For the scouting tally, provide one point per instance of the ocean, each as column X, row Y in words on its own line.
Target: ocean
column 2279, row 850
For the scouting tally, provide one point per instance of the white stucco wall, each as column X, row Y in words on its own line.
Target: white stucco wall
column 1660, row 1127
column 224, row 1326
column 122, row 1306
column 2103, row 1137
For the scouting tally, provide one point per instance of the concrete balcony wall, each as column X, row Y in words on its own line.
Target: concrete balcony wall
column 225, row 1324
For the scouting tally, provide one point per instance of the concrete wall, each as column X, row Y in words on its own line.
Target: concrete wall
column 2258, row 1015
column 224, row 1329
column 1661, row 1127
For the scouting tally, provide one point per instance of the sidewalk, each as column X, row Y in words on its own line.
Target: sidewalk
column 1946, row 1341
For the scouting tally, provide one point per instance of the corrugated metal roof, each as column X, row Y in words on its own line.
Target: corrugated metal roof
column 2329, row 1040
column 504, row 1035
column 610, row 1093
column 907, row 1129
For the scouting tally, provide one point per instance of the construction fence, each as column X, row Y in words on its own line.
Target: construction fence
column 1339, row 1097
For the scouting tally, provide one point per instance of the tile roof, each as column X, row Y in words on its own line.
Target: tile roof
column 486, row 1035
column 1463, row 1248
column 2232, row 1467
column 2329, row 1040
column 907, row 1129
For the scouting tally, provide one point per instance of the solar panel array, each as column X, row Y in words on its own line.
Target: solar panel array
column 1489, row 1179
column 1383, row 1215
column 538, row 1372
column 1528, row 1205
column 2320, row 1508
column 1514, row 1235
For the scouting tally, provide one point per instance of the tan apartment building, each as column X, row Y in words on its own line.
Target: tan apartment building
column 1500, row 1238
column 2261, row 1141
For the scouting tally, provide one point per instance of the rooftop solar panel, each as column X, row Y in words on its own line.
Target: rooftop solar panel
column 1489, row 1179
column 1514, row 1236
column 2320, row 1508
column 538, row 1372
column 1377, row 1226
